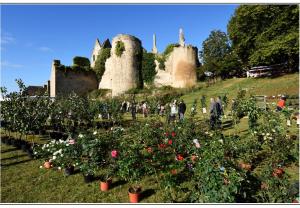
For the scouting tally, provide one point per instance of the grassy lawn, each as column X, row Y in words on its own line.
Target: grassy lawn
column 23, row 181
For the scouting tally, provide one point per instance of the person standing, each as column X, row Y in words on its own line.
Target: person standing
column 145, row 109
column 281, row 103
column 181, row 109
column 220, row 111
column 174, row 111
column 133, row 110
column 213, row 113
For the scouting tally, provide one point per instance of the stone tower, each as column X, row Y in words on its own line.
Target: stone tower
column 180, row 66
column 123, row 72
column 154, row 48
column 97, row 48
column 181, row 37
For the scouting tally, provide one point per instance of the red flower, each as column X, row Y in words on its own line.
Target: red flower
column 173, row 171
column 162, row 146
column 167, row 134
column 170, row 141
column 149, row 150
column 173, row 134
column 114, row 153
column 179, row 157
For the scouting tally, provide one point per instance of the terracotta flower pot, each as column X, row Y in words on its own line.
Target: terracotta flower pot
column 47, row 165
column 278, row 172
column 134, row 196
column 104, row 185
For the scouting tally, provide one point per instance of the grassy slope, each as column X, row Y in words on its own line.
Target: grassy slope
column 288, row 84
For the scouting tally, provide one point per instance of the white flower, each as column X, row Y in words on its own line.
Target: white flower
column 50, row 160
column 41, row 166
column 76, row 163
column 267, row 134
column 59, row 168
column 263, row 134
column 221, row 141
column 206, row 132
column 265, row 137
column 80, row 136
column 62, row 155
column 67, row 144
column 35, row 153
column 179, row 127
column 273, row 130
column 95, row 132
column 195, row 141
column 54, row 157
column 111, row 128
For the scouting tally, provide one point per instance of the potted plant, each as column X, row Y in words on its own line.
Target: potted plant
column 131, row 169
column 106, row 179
column 68, row 156
column 88, row 169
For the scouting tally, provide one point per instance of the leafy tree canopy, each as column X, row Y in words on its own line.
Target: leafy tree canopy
column 266, row 34
column 99, row 67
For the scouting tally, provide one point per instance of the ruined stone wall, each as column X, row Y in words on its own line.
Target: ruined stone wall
column 180, row 68
column 65, row 82
column 95, row 53
column 122, row 73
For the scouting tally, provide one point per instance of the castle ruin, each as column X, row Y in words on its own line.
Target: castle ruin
column 123, row 68
column 180, row 66
column 123, row 72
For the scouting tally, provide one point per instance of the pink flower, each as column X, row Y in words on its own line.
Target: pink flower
column 72, row 141
column 173, row 134
column 114, row 153
column 170, row 141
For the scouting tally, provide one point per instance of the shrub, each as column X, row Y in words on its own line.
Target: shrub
column 120, row 47
column 81, row 61
column 148, row 67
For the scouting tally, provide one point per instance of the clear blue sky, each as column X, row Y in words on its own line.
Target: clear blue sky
column 33, row 35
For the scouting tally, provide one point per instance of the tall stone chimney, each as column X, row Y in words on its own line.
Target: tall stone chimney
column 154, row 48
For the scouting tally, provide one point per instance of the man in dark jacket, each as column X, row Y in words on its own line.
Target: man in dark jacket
column 220, row 111
column 181, row 109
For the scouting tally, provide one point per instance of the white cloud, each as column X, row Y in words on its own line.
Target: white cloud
column 6, row 64
column 7, row 38
column 45, row 49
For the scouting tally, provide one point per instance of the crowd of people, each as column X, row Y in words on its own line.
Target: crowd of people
column 176, row 110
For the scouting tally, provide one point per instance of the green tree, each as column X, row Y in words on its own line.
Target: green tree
column 266, row 34
column 100, row 62
column 148, row 67
column 214, row 49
